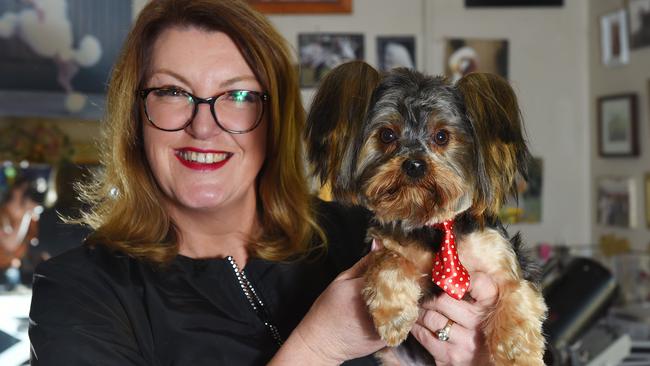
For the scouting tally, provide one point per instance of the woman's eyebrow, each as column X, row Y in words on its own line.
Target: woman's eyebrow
column 172, row 74
column 236, row 79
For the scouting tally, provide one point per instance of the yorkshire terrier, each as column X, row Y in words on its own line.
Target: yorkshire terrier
column 433, row 161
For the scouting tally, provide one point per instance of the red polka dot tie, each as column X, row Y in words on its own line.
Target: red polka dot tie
column 448, row 273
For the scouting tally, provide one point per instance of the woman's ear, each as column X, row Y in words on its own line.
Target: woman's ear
column 492, row 108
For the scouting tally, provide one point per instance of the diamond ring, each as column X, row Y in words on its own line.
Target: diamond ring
column 443, row 333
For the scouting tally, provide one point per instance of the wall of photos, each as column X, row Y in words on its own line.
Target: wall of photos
column 542, row 50
column 620, row 109
column 554, row 59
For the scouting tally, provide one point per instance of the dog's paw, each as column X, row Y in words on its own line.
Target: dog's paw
column 394, row 324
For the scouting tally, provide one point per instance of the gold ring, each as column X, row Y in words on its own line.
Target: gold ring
column 443, row 333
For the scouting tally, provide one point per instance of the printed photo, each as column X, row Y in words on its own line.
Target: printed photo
column 395, row 52
column 321, row 52
column 464, row 56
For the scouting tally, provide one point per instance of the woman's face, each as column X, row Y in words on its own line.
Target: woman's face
column 203, row 167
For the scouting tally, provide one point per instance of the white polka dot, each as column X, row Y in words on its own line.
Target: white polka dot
column 437, row 262
column 444, row 259
column 448, row 270
column 437, row 273
column 445, row 287
column 453, row 291
column 456, row 285
column 438, row 283
column 443, row 276
column 461, row 279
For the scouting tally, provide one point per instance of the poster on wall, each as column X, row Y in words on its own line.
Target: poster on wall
column 639, row 12
column 528, row 207
column 615, row 201
column 464, row 56
column 397, row 51
column 58, row 55
column 321, row 52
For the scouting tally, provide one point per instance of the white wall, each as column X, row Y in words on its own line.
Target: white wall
column 547, row 66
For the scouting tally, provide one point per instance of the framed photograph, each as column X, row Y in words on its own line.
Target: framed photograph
column 321, row 52
column 302, row 6
column 617, row 126
column 395, row 52
column 614, row 38
column 616, row 202
column 35, row 80
column 647, row 199
column 464, row 56
column 488, row 3
column 639, row 12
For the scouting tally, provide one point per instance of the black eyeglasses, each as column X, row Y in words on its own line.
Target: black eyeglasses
column 173, row 109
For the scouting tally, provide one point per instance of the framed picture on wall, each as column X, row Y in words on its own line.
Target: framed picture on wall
column 617, row 126
column 615, row 201
column 614, row 38
column 35, row 79
column 639, row 12
column 463, row 56
column 647, row 199
column 302, row 6
column 397, row 51
column 321, row 52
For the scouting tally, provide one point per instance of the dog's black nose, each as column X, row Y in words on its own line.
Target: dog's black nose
column 414, row 168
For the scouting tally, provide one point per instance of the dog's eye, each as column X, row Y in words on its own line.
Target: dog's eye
column 441, row 137
column 387, row 135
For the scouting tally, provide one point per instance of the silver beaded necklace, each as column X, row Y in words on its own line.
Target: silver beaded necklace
column 254, row 300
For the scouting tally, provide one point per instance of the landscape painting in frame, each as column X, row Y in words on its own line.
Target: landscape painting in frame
column 397, row 51
column 56, row 55
column 527, row 209
column 615, row 201
column 639, row 12
column 321, row 52
column 463, row 56
column 617, row 126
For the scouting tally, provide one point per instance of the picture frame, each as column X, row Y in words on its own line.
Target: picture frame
column 91, row 33
column 639, row 21
column 614, row 38
column 318, row 53
column 647, row 199
column 466, row 55
column 618, row 126
column 504, row 3
column 302, row 6
column 616, row 202
column 396, row 51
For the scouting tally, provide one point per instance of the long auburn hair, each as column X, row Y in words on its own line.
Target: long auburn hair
column 126, row 211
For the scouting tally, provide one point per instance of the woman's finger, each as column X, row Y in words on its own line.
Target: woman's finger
column 483, row 290
column 434, row 321
column 357, row 270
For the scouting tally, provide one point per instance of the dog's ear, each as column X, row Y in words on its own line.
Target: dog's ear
column 492, row 108
column 334, row 121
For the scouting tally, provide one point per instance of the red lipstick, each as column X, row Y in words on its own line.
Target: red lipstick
column 199, row 159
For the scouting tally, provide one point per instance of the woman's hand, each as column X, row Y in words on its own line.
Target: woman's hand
column 465, row 345
column 336, row 328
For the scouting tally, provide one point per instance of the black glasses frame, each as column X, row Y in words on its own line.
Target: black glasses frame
column 264, row 97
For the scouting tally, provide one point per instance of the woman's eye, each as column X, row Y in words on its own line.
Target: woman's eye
column 387, row 135
column 170, row 93
column 441, row 137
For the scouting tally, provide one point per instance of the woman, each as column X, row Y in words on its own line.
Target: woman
column 208, row 248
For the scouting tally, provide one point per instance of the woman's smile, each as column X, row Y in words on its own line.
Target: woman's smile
column 198, row 159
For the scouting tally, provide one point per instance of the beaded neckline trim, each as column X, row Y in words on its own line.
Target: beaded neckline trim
column 255, row 301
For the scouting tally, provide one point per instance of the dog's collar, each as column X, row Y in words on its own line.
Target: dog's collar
column 448, row 273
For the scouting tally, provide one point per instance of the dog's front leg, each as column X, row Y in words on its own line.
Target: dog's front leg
column 392, row 293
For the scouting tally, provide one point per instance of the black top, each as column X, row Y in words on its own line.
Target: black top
column 94, row 307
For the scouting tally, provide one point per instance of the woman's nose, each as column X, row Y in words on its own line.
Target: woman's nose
column 203, row 125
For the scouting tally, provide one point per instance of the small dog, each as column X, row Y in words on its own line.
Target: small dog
column 433, row 161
